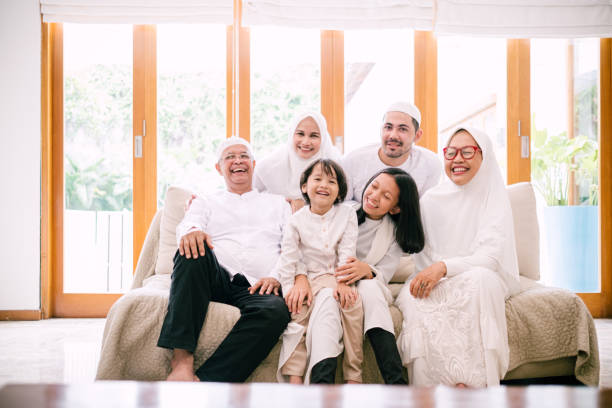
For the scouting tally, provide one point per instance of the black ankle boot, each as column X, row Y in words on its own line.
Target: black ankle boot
column 324, row 372
column 387, row 355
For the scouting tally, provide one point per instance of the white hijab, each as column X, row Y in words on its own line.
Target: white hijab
column 476, row 218
column 280, row 172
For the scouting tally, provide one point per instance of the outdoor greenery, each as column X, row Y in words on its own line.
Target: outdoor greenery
column 191, row 124
column 97, row 138
column 554, row 157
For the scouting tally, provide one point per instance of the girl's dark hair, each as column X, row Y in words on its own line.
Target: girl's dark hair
column 408, row 225
column 331, row 168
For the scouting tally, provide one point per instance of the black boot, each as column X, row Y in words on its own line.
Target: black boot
column 387, row 355
column 324, row 372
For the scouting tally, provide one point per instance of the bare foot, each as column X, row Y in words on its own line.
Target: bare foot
column 181, row 373
column 352, row 382
column 295, row 379
column 182, row 366
column 461, row 385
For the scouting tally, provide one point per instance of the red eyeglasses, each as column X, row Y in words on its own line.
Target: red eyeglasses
column 467, row 152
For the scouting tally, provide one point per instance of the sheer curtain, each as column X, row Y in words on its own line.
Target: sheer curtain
column 340, row 14
column 500, row 18
column 525, row 18
column 137, row 11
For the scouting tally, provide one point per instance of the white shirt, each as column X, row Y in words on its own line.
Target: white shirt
column 386, row 267
column 246, row 230
column 316, row 244
column 361, row 164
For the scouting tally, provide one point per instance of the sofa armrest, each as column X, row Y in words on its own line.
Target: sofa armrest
column 148, row 254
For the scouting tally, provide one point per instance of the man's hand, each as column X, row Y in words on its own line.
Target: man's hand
column 423, row 283
column 192, row 244
column 352, row 271
column 265, row 286
column 345, row 295
column 299, row 293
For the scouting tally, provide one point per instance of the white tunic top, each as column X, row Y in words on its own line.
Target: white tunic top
column 246, row 230
column 316, row 244
column 385, row 268
column 361, row 164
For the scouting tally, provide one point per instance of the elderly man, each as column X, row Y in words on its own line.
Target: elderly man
column 400, row 130
column 245, row 228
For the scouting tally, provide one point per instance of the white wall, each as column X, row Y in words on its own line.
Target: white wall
column 20, row 48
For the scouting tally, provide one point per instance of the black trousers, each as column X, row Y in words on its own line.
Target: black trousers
column 197, row 282
column 386, row 353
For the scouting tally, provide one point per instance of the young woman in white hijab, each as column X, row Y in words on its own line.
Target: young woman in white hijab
column 454, row 330
column 279, row 172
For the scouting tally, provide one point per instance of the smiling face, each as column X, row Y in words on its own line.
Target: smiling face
column 458, row 169
column 322, row 190
column 381, row 196
column 307, row 138
column 236, row 167
column 398, row 134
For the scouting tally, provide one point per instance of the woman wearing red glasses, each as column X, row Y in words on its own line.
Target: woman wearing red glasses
column 454, row 330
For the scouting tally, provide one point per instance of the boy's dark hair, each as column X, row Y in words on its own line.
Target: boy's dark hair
column 331, row 168
column 409, row 233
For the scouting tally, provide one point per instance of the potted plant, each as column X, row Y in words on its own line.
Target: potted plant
column 570, row 231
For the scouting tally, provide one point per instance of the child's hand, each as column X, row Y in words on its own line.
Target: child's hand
column 345, row 295
column 353, row 270
column 299, row 293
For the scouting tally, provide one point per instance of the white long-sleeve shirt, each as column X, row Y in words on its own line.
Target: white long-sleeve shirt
column 385, row 268
column 361, row 164
column 316, row 244
column 246, row 230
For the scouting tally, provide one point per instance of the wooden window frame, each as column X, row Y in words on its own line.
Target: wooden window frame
column 519, row 169
column 426, row 86
column 55, row 303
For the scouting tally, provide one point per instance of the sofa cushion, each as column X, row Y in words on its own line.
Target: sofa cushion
column 526, row 231
column 174, row 211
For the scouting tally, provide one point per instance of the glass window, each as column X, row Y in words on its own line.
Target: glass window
column 97, row 158
column 285, row 80
column 564, row 166
column 191, row 106
column 472, row 89
column 378, row 70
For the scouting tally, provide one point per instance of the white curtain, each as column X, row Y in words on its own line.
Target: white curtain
column 137, row 11
column 525, row 18
column 500, row 18
column 340, row 14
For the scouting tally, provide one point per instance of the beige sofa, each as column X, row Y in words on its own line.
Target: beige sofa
column 550, row 331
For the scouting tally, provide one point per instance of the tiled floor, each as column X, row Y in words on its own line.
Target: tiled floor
column 67, row 350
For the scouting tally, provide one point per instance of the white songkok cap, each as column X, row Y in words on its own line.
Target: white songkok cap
column 231, row 141
column 407, row 108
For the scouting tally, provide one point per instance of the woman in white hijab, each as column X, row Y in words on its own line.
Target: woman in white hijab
column 454, row 330
column 308, row 140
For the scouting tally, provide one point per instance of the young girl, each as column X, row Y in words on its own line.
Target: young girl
column 389, row 224
column 317, row 239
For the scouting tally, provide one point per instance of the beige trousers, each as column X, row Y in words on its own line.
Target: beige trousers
column 352, row 325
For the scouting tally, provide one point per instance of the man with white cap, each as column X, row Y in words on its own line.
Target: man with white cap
column 245, row 229
column 400, row 131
